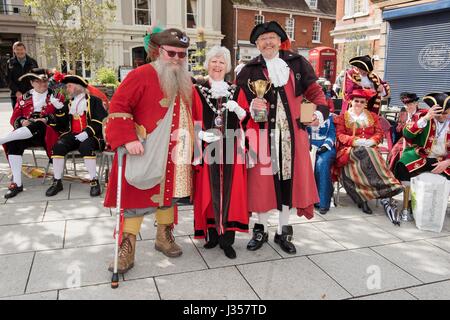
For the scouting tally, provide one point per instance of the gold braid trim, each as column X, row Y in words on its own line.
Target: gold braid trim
column 350, row 124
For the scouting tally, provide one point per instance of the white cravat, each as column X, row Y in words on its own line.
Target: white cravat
column 278, row 71
column 79, row 104
column 39, row 100
column 219, row 89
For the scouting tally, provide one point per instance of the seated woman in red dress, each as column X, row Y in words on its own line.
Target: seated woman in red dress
column 359, row 164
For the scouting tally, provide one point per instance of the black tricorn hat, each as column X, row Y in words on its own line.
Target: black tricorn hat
column 271, row 26
column 437, row 98
column 363, row 62
column 407, row 97
column 35, row 74
column 75, row 79
column 171, row 37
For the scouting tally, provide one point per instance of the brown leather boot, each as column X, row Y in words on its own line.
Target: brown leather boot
column 165, row 241
column 126, row 254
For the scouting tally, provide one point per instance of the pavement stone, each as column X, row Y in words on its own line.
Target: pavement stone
column 356, row 233
column 35, row 194
column 419, row 258
column 151, row 263
column 20, row 214
column 185, row 226
column 291, row 279
column 363, row 272
column 391, row 295
column 50, row 295
column 70, row 268
column 216, row 284
column 89, row 232
column 31, row 237
column 80, row 190
column 144, row 289
column 308, row 240
column 14, row 273
column 434, row 291
column 71, row 210
column 443, row 243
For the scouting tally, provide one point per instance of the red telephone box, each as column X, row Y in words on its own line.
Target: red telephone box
column 323, row 60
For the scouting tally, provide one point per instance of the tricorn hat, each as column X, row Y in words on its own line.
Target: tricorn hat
column 363, row 62
column 171, row 37
column 75, row 79
column 437, row 98
column 407, row 97
column 271, row 26
column 362, row 93
column 35, row 74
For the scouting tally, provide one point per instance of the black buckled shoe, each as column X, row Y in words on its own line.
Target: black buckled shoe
column 284, row 240
column 258, row 239
column 229, row 252
column 323, row 210
column 55, row 188
column 13, row 190
column 213, row 239
column 95, row 188
column 365, row 208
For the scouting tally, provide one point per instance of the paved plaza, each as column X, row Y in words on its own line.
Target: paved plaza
column 59, row 248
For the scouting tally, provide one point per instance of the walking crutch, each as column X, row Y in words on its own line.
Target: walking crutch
column 121, row 151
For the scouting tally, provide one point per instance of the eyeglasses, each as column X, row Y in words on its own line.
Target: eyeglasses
column 172, row 54
column 359, row 101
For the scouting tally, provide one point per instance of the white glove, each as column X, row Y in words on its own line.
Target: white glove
column 232, row 106
column 55, row 102
column 208, row 137
column 360, row 142
column 369, row 143
column 81, row 136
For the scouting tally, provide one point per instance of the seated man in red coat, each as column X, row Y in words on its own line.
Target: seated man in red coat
column 150, row 114
column 34, row 122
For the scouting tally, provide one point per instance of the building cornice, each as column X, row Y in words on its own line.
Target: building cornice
column 360, row 28
column 286, row 11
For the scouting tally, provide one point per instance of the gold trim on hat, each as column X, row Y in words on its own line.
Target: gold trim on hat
column 432, row 98
column 367, row 68
column 445, row 102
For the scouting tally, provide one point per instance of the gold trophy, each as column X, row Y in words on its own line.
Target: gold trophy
column 259, row 88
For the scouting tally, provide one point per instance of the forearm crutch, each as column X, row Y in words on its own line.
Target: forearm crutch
column 121, row 151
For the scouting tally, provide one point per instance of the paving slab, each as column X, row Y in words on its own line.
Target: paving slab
column 31, row 237
column 308, row 240
column 89, row 232
column 419, row 258
column 151, row 263
column 347, row 209
column 434, row 291
column 144, row 289
column 356, row 233
column 363, row 272
column 443, row 243
column 391, row 295
column 216, row 258
column 22, row 213
column 291, row 279
column 35, row 194
column 217, row 284
column 14, row 273
column 80, row 190
column 293, row 219
column 407, row 230
column 72, row 210
column 70, row 268
column 185, row 226
column 50, row 295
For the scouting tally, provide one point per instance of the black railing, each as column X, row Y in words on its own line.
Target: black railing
column 12, row 9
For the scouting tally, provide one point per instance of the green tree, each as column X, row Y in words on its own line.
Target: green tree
column 73, row 27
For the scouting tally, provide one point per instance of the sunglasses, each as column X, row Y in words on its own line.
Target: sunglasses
column 359, row 101
column 172, row 54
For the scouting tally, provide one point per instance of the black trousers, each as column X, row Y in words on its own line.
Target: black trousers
column 13, row 102
column 225, row 240
column 68, row 143
column 17, row 147
column 402, row 173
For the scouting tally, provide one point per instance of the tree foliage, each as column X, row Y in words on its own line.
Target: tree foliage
column 73, row 27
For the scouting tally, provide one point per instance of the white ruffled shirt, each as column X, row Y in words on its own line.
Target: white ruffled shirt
column 219, row 89
column 278, row 71
column 79, row 105
column 39, row 100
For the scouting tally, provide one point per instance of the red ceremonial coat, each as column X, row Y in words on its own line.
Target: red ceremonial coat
column 353, row 82
column 139, row 101
column 347, row 133
column 223, row 206
column 24, row 109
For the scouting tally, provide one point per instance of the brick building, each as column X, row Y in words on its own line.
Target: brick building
column 307, row 22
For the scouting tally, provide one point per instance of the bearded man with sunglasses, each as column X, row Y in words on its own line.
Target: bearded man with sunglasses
column 150, row 114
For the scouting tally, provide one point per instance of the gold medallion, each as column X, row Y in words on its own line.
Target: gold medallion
column 76, row 117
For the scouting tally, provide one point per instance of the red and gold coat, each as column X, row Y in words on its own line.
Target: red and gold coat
column 139, row 102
